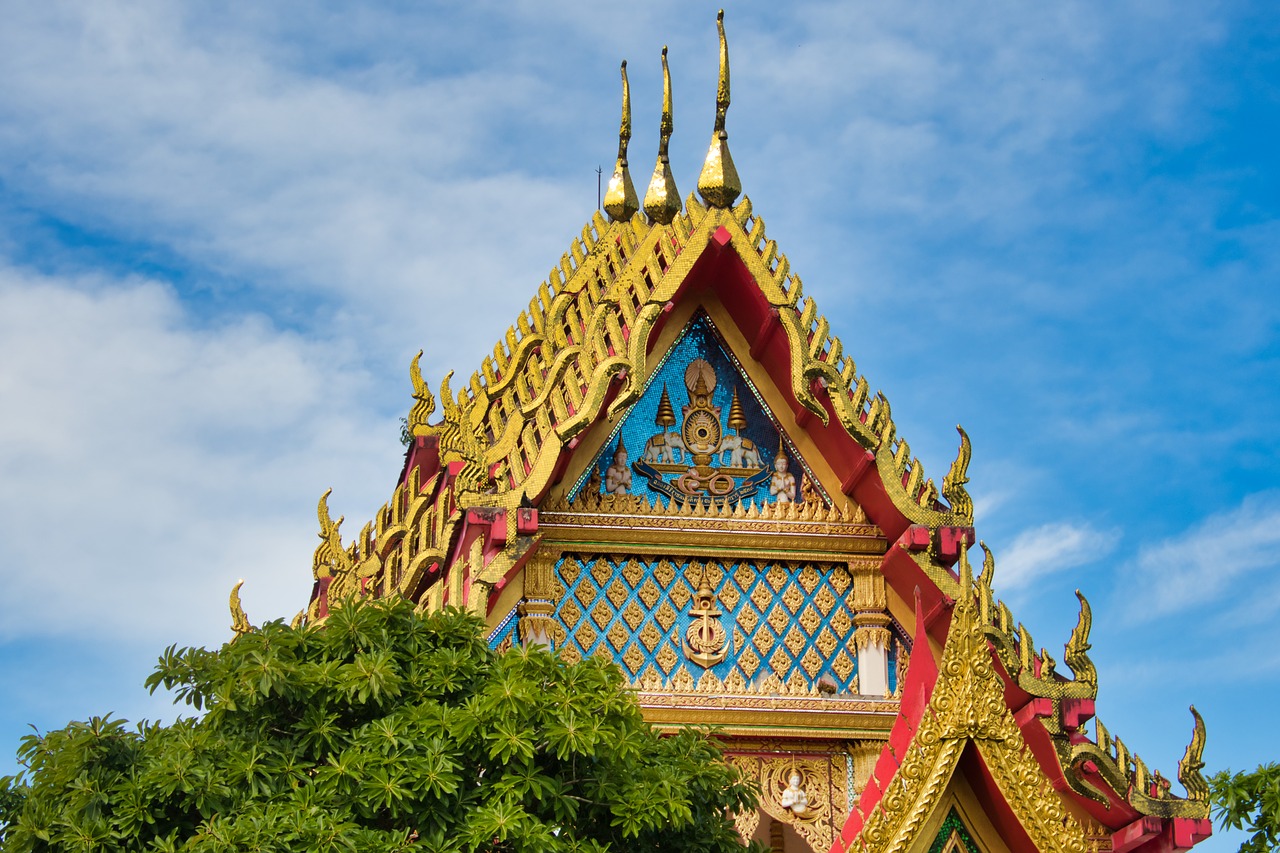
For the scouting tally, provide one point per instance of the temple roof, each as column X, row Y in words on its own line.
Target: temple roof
column 462, row 521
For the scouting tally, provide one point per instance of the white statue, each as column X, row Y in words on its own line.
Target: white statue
column 617, row 477
column 794, row 797
column 782, row 485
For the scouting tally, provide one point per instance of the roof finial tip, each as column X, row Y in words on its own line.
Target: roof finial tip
column 662, row 199
column 718, row 184
column 620, row 200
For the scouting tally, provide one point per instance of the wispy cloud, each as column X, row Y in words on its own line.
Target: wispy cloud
column 1237, row 550
column 1049, row 549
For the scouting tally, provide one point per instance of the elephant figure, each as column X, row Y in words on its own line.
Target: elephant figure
column 665, row 447
column 741, row 452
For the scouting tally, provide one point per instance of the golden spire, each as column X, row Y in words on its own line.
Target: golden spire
column 718, row 184
column 620, row 200
column 662, row 199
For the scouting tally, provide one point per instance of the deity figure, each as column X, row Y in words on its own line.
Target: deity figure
column 782, row 485
column 617, row 477
column 794, row 797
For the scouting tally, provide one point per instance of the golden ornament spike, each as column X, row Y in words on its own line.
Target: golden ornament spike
column 1193, row 762
column 662, row 199
column 953, row 484
column 620, row 200
column 239, row 621
column 423, row 403
column 719, row 184
column 1076, row 653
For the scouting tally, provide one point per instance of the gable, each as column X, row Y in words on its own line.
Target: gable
column 701, row 431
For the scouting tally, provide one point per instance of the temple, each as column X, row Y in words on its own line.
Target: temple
column 670, row 461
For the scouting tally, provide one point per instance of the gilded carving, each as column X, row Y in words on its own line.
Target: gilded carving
column 665, row 615
column 618, row 636
column 618, row 593
column 601, row 614
column 748, row 618
column 967, row 705
column 667, row 659
column 705, row 639
column 649, row 593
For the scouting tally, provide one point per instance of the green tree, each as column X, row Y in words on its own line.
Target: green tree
column 383, row 730
column 1249, row 802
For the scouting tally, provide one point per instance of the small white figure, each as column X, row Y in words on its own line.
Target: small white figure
column 782, row 485
column 617, row 477
column 794, row 797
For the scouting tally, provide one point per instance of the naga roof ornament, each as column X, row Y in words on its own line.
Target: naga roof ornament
column 662, row 199
column 719, row 184
column 620, row 200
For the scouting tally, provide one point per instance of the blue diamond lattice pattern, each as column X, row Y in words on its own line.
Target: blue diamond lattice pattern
column 787, row 623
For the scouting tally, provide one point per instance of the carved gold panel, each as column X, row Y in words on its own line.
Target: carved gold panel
column 649, row 593
column 634, row 615
column 602, row 571
column 618, row 593
column 601, row 614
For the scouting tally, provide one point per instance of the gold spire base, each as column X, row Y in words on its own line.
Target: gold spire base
column 662, row 199
column 719, row 184
column 620, row 199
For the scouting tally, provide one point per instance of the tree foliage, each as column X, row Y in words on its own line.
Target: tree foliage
column 383, row 730
column 1249, row 802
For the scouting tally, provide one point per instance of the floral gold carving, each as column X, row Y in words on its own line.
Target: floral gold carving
column 649, row 593
column 665, row 615
column 650, row 635
column 601, row 614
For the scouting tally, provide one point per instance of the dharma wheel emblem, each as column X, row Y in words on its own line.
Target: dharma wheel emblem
column 709, row 461
column 705, row 639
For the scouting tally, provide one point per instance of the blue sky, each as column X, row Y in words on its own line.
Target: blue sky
column 224, row 233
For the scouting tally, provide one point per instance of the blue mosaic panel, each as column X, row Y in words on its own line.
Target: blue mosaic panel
column 654, row 446
column 786, row 623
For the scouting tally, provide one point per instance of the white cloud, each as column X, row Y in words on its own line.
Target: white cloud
column 1049, row 549
column 146, row 463
column 1230, row 552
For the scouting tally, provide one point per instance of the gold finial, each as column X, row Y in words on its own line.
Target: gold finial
column 620, row 200
column 662, row 199
column 423, row 403
column 719, row 184
column 239, row 621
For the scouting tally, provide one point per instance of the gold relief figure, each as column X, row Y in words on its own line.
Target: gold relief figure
column 617, row 478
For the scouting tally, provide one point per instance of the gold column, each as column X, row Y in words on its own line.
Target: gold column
column 536, row 627
column 776, row 843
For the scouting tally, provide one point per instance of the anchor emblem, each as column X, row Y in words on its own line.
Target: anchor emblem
column 705, row 639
